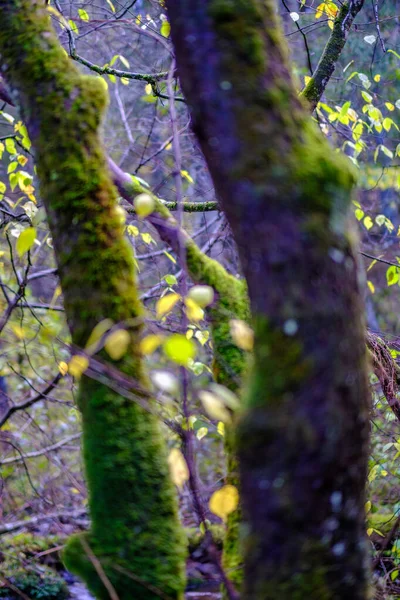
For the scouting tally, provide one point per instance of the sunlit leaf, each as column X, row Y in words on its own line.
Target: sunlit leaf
column 165, row 29
column 117, row 343
column 193, row 310
column 99, row 330
column 165, row 304
column 224, row 501
column 178, row 467
column 63, row 367
column 179, row 349
column 26, row 240
column 78, row 365
column 150, row 343
column 83, row 14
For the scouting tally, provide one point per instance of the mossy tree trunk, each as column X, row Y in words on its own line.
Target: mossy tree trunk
column 303, row 435
column 135, row 536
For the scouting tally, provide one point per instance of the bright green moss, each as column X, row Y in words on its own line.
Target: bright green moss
column 132, row 502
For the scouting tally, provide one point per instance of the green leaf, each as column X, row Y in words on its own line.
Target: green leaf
column 83, row 14
column 73, row 26
column 179, row 349
column 165, row 29
column 26, row 240
column 10, row 146
column 392, row 275
column 368, row 222
column 367, row 97
column 387, row 124
column 171, row 279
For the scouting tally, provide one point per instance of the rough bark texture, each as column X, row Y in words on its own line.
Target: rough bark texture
column 333, row 49
column 135, row 533
column 303, row 437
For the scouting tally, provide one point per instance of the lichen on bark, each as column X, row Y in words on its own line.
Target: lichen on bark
column 135, row 535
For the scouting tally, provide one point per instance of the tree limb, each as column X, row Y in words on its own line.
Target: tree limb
column 327, row 63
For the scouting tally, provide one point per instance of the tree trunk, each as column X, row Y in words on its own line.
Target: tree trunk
column 303, row 435
column 135, row 547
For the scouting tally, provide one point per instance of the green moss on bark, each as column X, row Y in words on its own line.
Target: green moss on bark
column 132, row 503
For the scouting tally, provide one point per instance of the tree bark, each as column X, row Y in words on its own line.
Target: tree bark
column 135, row 547
column 303, row 435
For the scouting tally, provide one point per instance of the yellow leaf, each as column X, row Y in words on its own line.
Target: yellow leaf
column 371, row 286
column 132, row 230
column 193, row 310
column 18, row 331
column 224, row 501
column 63, row 368
column 99, row 330
column 368, row 506
column 186, row 175
column 242, row 334
column 390, row 106
column 368, row 222
column 178, row 467
column 179, row 349
column 26, row 240
column 320, row 10
column 117, row 343
column 330, row 24
column 78, row 365
column 150, row 343
column 307, row 78
column 214, row 407
column 148, row 89
column 166, row 304
column 377, row 78
column 22, row 160
column 370, row 531
column 221, row 429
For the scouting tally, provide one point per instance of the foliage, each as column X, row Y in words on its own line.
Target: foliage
column 359, row 113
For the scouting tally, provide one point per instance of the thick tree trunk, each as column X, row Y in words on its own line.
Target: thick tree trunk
column 135, row 535
column 303, row 437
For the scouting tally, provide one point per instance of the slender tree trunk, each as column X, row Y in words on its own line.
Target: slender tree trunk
column 135, row 548
column 303, row 436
